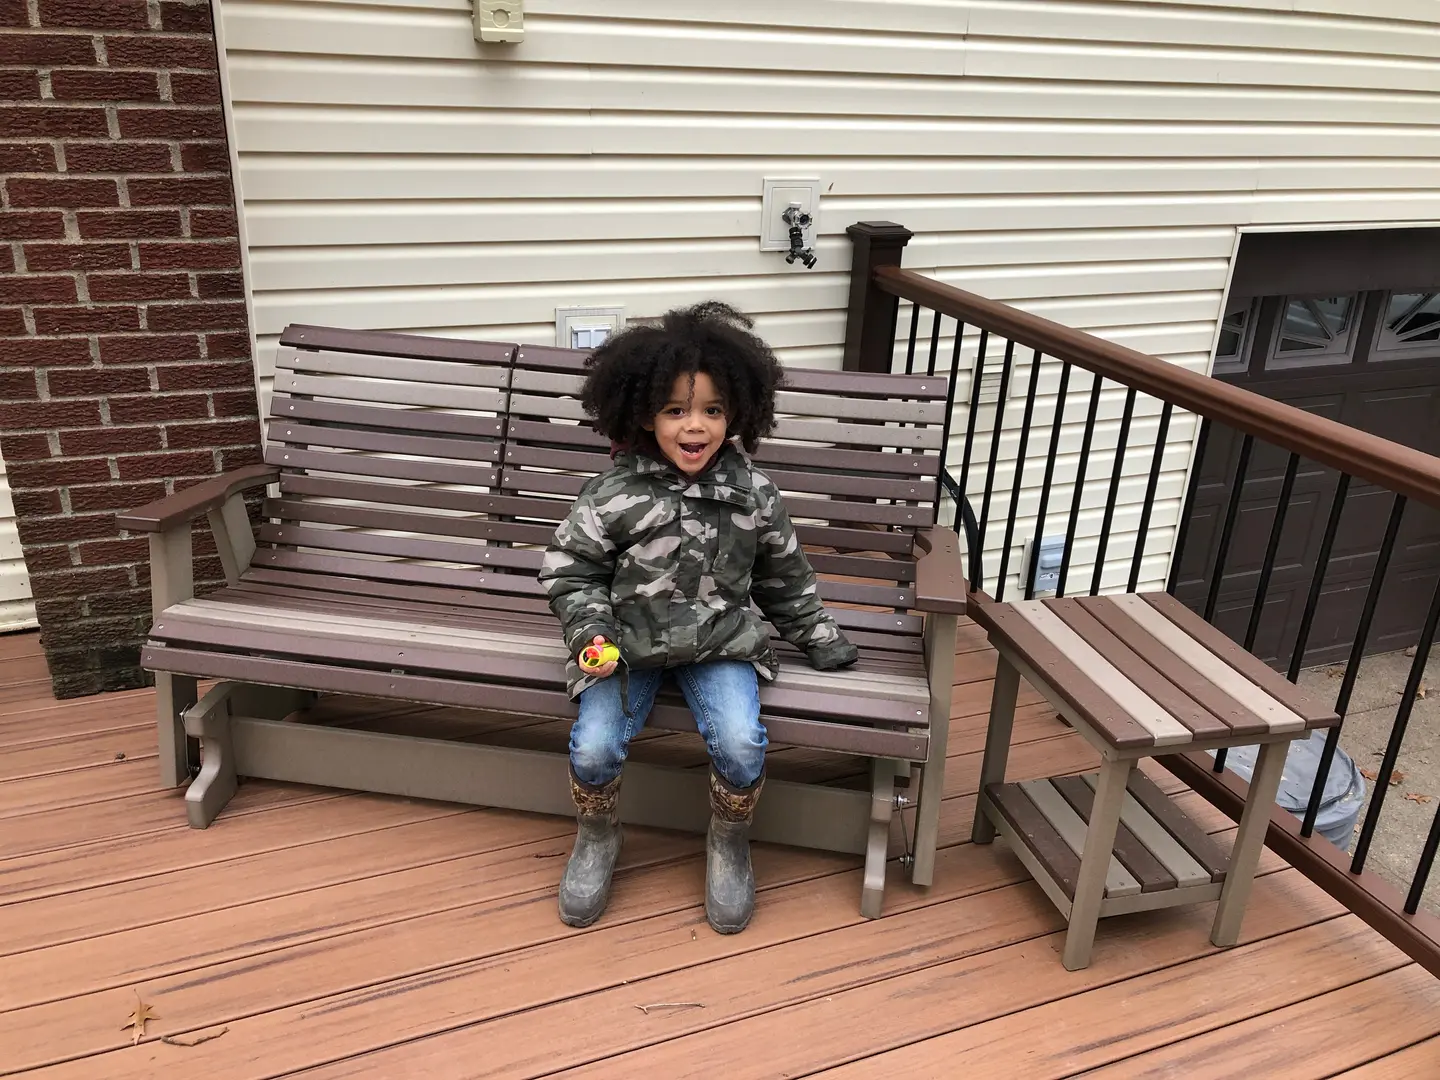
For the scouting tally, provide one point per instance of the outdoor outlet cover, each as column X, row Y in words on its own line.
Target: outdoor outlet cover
column 779, row 194
column 586, row 327
column 499, row 20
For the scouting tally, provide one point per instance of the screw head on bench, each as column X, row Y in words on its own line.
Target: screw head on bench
column 903, row 802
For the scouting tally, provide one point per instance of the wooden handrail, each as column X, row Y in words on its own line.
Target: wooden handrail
column 1410, row 472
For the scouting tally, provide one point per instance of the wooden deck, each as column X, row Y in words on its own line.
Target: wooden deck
column 324, row 934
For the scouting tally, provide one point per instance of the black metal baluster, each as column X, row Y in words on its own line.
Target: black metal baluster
column 1407, row 696
column 910, row 352
column 1085, row 441
column 974, row 408
column 1115, row 475
column 1005, row 367
column 1055, row 427
column 1019, row 474
column 934, row 343
column 1257, row 609
column 1422, row 868
column 1145, row 511
column 1182, row 534
column 1227, row 533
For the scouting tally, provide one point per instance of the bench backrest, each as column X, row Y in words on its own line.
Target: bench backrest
column 420, row 461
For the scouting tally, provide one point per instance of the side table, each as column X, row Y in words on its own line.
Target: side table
column 1137, row 676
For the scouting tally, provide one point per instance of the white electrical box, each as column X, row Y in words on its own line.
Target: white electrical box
column 500, row 21
column 1042, row 561
column 779, row 194
column 586, row 327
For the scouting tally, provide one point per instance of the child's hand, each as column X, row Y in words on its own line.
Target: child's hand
column 604, row 670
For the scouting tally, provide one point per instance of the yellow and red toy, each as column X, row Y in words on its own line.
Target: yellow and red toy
column 594, row 656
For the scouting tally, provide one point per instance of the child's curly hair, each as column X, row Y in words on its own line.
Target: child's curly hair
column 631, row 376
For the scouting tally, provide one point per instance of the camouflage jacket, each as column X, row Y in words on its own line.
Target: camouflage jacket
column 666, row 566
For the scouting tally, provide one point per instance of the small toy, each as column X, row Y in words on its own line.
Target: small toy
column 595, row 656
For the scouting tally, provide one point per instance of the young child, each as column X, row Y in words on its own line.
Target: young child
column 661, row 556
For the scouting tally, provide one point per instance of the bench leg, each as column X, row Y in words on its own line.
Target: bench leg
column 1095, row 863
column 173, row 695
column 1249, row 839
column 209, row 721
column 877, row 847
column 997, row 743
column 940, row 670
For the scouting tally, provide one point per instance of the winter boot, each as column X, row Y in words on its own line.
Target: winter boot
column 585, row 888
column 729, row 879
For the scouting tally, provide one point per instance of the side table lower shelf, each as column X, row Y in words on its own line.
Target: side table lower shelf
column 1161, row 857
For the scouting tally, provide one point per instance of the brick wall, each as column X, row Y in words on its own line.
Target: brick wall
column 125, row 367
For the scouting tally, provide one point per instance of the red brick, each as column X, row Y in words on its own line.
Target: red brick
column 192, row 18
column 216, row 433
column 205, row 376
column 115, row 496
column 235, row 403
column 32, row 224
column 88, row 382
column 18, row 85
column 111, row 552
column 158, row 407
column 78, row 582
column 36, row 289
column 77, row 256
column 216, row 222
column 120, row 602
column 205, row 157
column 152, row 466
column 195, row 316
column 238, row 459
column 34, row 447
column 12, row 321
column 51, row 122
column 95, row 14
column 178, row 191
column 7, row 260
column 191, row 255
column 42, row 191
column 67, row 529
column 48, row 415
column 44, row 352
column 220, row 286
column 99, row 85
column 34, row 503
column 227, row 346
column 26, row 157
column 58, row 473
column 129, row 285
column 127, row 224
column 79, row 320
column 194, row 88
column 14, row 13
column 149, row 348
column 171, row 123
column 155, row 51
column 46, row 49
column 126, row 157
column 20, row 386
column 111, row 440
column 40, row 560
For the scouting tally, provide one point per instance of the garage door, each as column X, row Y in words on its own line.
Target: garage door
column 17, row 610
column 1367, row 359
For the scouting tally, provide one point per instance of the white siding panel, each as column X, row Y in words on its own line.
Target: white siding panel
column 17, row 609
column 1088, row 161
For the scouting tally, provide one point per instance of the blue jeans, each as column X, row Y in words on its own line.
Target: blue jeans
column 724, row 695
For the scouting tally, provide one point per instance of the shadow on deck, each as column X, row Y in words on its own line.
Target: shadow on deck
column 325, row 934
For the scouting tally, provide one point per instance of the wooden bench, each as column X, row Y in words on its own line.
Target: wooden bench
column 1138, row 676
column 414, row 484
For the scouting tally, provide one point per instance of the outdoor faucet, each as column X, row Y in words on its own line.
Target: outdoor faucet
column 797, row 219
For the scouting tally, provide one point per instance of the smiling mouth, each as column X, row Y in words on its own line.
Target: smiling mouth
column 693, row 450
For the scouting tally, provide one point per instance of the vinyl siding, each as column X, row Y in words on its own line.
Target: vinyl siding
column 17, row 609
column 1091, row 162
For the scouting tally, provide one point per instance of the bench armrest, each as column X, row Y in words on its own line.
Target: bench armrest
column 939, row 572
column 193, row 502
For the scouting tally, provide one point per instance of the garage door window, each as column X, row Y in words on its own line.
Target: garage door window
column 1411, row 326
column 1314, row 331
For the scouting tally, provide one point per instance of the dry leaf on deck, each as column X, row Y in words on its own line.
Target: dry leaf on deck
column 1417, row 798
column 138, row 1016
column 1373, row 774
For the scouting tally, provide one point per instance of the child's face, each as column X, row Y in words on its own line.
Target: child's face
column 691, row 427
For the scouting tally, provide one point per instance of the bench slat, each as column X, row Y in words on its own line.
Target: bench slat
column 395, row 391
column 361, row 464
column 467, row 448
column 447, row 372
column 285, row 409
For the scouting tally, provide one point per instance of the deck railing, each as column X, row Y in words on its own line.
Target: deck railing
column 900, row 320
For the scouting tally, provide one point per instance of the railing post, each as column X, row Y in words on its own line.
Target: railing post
column 870, row 327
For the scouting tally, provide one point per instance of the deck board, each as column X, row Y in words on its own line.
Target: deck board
column 334, row 934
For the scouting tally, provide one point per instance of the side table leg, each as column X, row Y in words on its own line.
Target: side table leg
column 1245, row 857
column 997, row 743
column 1095, row 863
